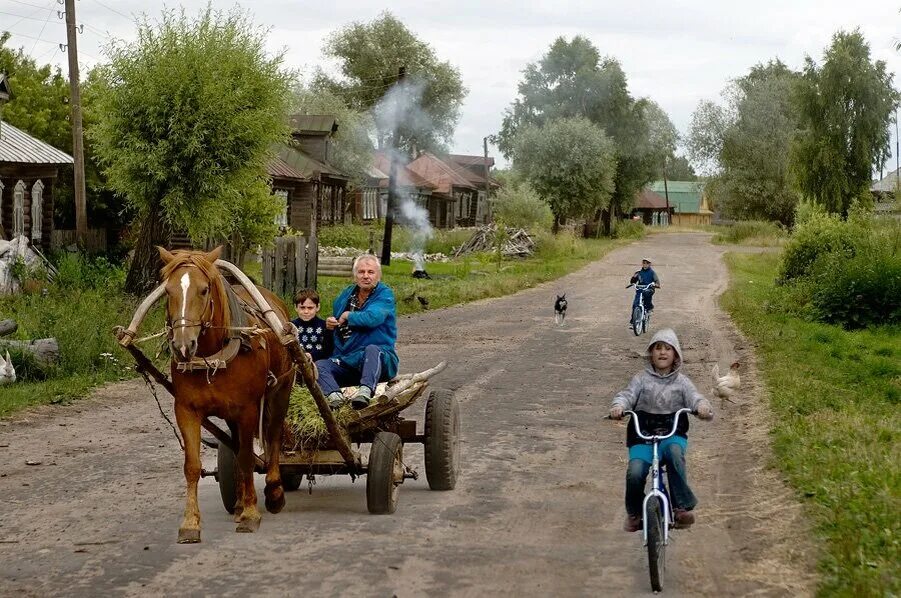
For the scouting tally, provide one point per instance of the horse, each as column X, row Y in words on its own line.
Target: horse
column 254, row 383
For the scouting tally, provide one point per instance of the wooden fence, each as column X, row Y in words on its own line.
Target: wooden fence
column 291, row 265
column 95, row 241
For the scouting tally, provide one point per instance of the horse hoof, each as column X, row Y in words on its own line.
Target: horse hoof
column 248, row 526
column 275, row 499
column 188, row 535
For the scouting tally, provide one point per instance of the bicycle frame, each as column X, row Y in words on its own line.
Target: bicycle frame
column 656, row 485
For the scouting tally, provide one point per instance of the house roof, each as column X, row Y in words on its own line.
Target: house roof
column 20, row 147
column 405, row 176
column 466, row 160
column 299, row 162
column 313, row 124
column 4, row 88
column 887, row 184
column 279, row 169
column 687, row 197
column 648, row 200
column 442, row 176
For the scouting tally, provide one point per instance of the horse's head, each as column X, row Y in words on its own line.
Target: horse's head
column 196, row 298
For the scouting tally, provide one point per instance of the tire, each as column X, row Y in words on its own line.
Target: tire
column 385, row 473
column 226, row 467
column 656, row 547
column 636, row 320
column 291, row 482
column 442, row 439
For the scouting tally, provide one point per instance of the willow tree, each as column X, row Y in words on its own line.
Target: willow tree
column 186, row 119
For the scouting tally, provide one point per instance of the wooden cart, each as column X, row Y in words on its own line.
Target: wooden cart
column 381, row 426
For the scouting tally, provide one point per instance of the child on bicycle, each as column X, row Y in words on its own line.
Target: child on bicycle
column 656, row 394
column 645, row 276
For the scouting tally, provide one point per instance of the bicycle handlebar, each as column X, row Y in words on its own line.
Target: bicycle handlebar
column 641, row 287
column 658, row 436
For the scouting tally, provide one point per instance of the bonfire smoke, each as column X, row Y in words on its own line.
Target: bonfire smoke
column 401, row 109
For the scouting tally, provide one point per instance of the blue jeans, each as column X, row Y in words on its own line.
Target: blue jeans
column 333, row 374
column 673, row 456
column 648, row 299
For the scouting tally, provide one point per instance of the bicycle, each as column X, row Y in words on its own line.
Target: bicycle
column 641, row 317
column 657, row 510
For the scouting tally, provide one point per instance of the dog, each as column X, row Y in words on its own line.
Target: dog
column 560, row 309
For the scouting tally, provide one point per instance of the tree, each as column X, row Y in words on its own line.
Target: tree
column 516, row 204
column 186, row 119
column 846, row 107
column 352, row 146
column 573, row 81
column 369, row 55
column 744, row 145
column 571, row 163
column 678, row 168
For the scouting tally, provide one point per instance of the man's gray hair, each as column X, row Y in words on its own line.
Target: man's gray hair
column 367, row 257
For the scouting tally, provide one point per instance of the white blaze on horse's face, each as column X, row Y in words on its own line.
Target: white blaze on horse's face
column 188, row 292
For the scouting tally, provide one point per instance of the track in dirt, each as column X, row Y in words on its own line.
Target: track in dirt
column 538, row 508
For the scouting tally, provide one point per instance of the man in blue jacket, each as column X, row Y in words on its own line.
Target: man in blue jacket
column 365, row 326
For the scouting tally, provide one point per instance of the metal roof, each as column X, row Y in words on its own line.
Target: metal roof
column 20, row 147
column 443, row 176
column 278, row 169
column 405, row 176
column 467, row 160
column 647, row 199
column 687, row 197
column 307, row 167
column 314, row 123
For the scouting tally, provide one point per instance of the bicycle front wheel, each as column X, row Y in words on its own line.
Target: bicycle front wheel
column 636, row 320
column 656, row 546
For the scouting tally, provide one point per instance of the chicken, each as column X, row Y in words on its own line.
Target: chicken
column 7, row 371
column 726, row 386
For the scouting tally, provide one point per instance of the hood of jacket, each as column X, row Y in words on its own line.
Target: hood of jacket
column 668, row 336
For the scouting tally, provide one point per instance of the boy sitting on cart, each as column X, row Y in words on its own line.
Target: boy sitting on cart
column 364, row 321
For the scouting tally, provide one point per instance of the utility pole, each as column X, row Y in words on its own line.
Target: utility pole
column 392, row 173
column 897, row 160
column 666, row 191
column 487, row 180
column 81, row 205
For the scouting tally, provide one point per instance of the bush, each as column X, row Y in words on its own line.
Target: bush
column 749, row 230
column 629, row 229
column 819, row 235
column 518, row 206
column 75, row 271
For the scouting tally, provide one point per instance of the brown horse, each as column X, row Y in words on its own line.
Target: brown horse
column 199, row 320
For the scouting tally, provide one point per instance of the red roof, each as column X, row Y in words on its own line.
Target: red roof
column 440, row 174
column 405, row 176
column 464, row 160
column 647, row 199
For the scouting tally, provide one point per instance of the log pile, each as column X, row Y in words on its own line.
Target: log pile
column 518, row 242
column 44, row 350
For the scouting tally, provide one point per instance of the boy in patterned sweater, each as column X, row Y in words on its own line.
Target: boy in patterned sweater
column 314, row 337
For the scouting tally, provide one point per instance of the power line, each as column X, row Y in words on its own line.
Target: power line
column 46, row 41
column 31, row 5
column 44, row 26
column 32, row 13
column 123, row 15
column 23, row 17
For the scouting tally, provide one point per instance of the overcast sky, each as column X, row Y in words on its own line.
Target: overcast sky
column 676, row 52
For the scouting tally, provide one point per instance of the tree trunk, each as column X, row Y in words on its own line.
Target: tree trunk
column 8, row 327
column 44, row 350
column 556, row 228
column 144, row 271
column 605, row 217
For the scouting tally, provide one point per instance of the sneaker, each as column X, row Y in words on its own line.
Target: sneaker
column 361, row 399
column 335, row 400
column 683, row 518
column 632, row 523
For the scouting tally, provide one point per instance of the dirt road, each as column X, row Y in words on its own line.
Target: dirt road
column 538, row 509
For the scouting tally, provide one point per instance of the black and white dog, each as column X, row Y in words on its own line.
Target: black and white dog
column 560, row 309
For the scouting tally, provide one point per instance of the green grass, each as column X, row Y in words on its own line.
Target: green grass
column 357, row 235
column 751, row 232
column 835, row 395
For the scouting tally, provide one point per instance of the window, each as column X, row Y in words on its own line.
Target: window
column 370, row 203
column 37, row 205
column 19, row 209
column 281, row 219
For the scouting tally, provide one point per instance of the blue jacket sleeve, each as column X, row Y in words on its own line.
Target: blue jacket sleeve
column 374, row 314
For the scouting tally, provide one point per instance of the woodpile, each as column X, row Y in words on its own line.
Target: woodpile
column 518, row 242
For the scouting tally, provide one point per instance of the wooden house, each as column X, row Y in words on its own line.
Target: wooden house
column 652, row 208
column 688, row 200
column 28, row 169
column 454, row 194
column 473, row 169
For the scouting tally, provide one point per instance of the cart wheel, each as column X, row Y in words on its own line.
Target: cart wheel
column 291, row 482
column 442, row 440
column 226, row 464
column 385, row 473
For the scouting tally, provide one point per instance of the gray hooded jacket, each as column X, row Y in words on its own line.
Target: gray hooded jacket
column 660, row 393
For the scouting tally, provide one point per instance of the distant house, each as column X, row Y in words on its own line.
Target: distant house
column 454, row 193
column 473, row 169
column 652, row 208
column 314, row 191
column 886, row 197
column 373, row 198
column 688, row 200
column 28, row 169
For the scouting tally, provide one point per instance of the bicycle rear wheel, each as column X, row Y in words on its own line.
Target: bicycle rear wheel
column 656, row 547
column 636, row 320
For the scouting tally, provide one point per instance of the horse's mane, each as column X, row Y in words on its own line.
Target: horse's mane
column 217, row 283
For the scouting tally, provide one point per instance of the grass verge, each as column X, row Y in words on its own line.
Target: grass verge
column 835, row 395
